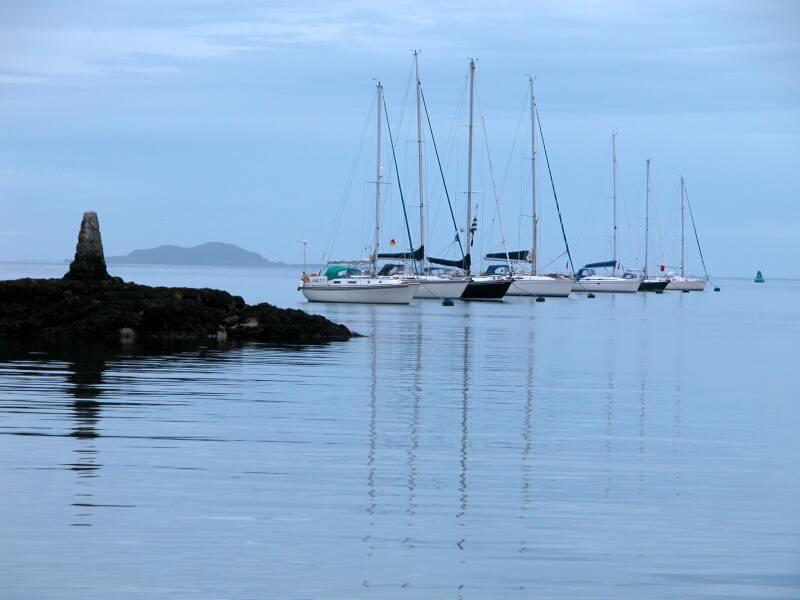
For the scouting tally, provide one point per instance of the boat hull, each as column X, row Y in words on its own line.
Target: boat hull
column 493, row 289
column 377, row 294
column 540, row 286
column 617, row 285
column 439, row 288
column 686, row 283
column 653, row 285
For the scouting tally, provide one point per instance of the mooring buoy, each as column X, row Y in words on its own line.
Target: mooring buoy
column 716, row 289
column 590, row 295
column 539, row 299
column 685, row 291
column 447, row 302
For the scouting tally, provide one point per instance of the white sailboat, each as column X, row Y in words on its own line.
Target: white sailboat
column 588, row 279
column 350, row 284
column 682, row 282
column 649, row 284
column 432, row 285
column 481, row 287
column 533, row 284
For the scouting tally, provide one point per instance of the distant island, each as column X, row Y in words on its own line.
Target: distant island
column 214, row 254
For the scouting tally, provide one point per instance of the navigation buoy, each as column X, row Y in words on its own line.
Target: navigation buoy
column 759, row 277
column 539, row 299
column 447, row 302
column 590, row 295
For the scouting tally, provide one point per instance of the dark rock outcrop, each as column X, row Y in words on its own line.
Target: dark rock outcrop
column 115, row 310
column 89, row 263
column 89, row 304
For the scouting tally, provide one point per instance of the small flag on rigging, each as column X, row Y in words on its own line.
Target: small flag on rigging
column 393, row 242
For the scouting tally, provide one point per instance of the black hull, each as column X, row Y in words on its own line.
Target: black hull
column 485, row 290
column 653, row 285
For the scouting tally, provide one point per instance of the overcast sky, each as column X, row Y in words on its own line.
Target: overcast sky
column 192, row 121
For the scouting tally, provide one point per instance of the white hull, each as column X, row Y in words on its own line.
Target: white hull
column 686, row 283
column 384, row 293
column 439, row 287
column 615, row 285
column 539, row 285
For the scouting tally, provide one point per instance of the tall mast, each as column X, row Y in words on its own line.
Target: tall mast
column 469, row 162
column 378, row 176
column 683, row 231
column 420, row 163
column 535, row 237
column 614, row 195
column 647, row 219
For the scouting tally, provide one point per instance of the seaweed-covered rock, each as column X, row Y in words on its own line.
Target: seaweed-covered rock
column 114, row 310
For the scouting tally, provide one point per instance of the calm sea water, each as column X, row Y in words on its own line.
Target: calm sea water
column 622, row 447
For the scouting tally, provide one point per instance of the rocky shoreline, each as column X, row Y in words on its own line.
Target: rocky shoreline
column 89, row 304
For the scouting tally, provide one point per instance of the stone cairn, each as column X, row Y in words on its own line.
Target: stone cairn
column 89, row 263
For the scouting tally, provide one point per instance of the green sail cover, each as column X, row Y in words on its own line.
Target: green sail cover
column 337, row 272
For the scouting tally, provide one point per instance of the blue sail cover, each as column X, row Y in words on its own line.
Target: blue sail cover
column 608, row 263
column 463, row 264
column 416, row 255
column 521, row 255
column 597, row 265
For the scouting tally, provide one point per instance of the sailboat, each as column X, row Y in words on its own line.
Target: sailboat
column 349, row 283
column 681, row 282
column 587, row 279
column 431, row 285
column 531, row 284
column 649, row 284
column 482, row 287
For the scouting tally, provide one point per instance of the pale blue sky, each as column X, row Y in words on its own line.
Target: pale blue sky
column 185, row 122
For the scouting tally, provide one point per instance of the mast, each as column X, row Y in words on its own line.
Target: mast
column 469, row 162
column 646, row 219
column 535, row 237
column 420, row 164
column 614, row 195
column 378, row 176
column 683, row 231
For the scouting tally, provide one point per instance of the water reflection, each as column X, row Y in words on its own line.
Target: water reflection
column 85, row 379
column 416, row 399
column 527, row 441
column 373, row 432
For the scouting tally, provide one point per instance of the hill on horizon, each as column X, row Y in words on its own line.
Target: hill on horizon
column 213, row 254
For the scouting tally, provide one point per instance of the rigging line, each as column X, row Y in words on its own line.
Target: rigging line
column 348, row 186
column 694, row 228
column 494, row 186
column 441, row 171
column 450, row 142
column 399, row 186
column 547, row 264
column 514, row 144
column 658, row 227
column 555, row 196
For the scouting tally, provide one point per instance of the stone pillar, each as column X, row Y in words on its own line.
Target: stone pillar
column 89, row 263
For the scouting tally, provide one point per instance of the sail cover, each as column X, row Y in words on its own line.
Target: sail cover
column 416, row 255
column 608, row 263
column 523, row 255
column 463, row 264
column 337, row 272
column 583, row 271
